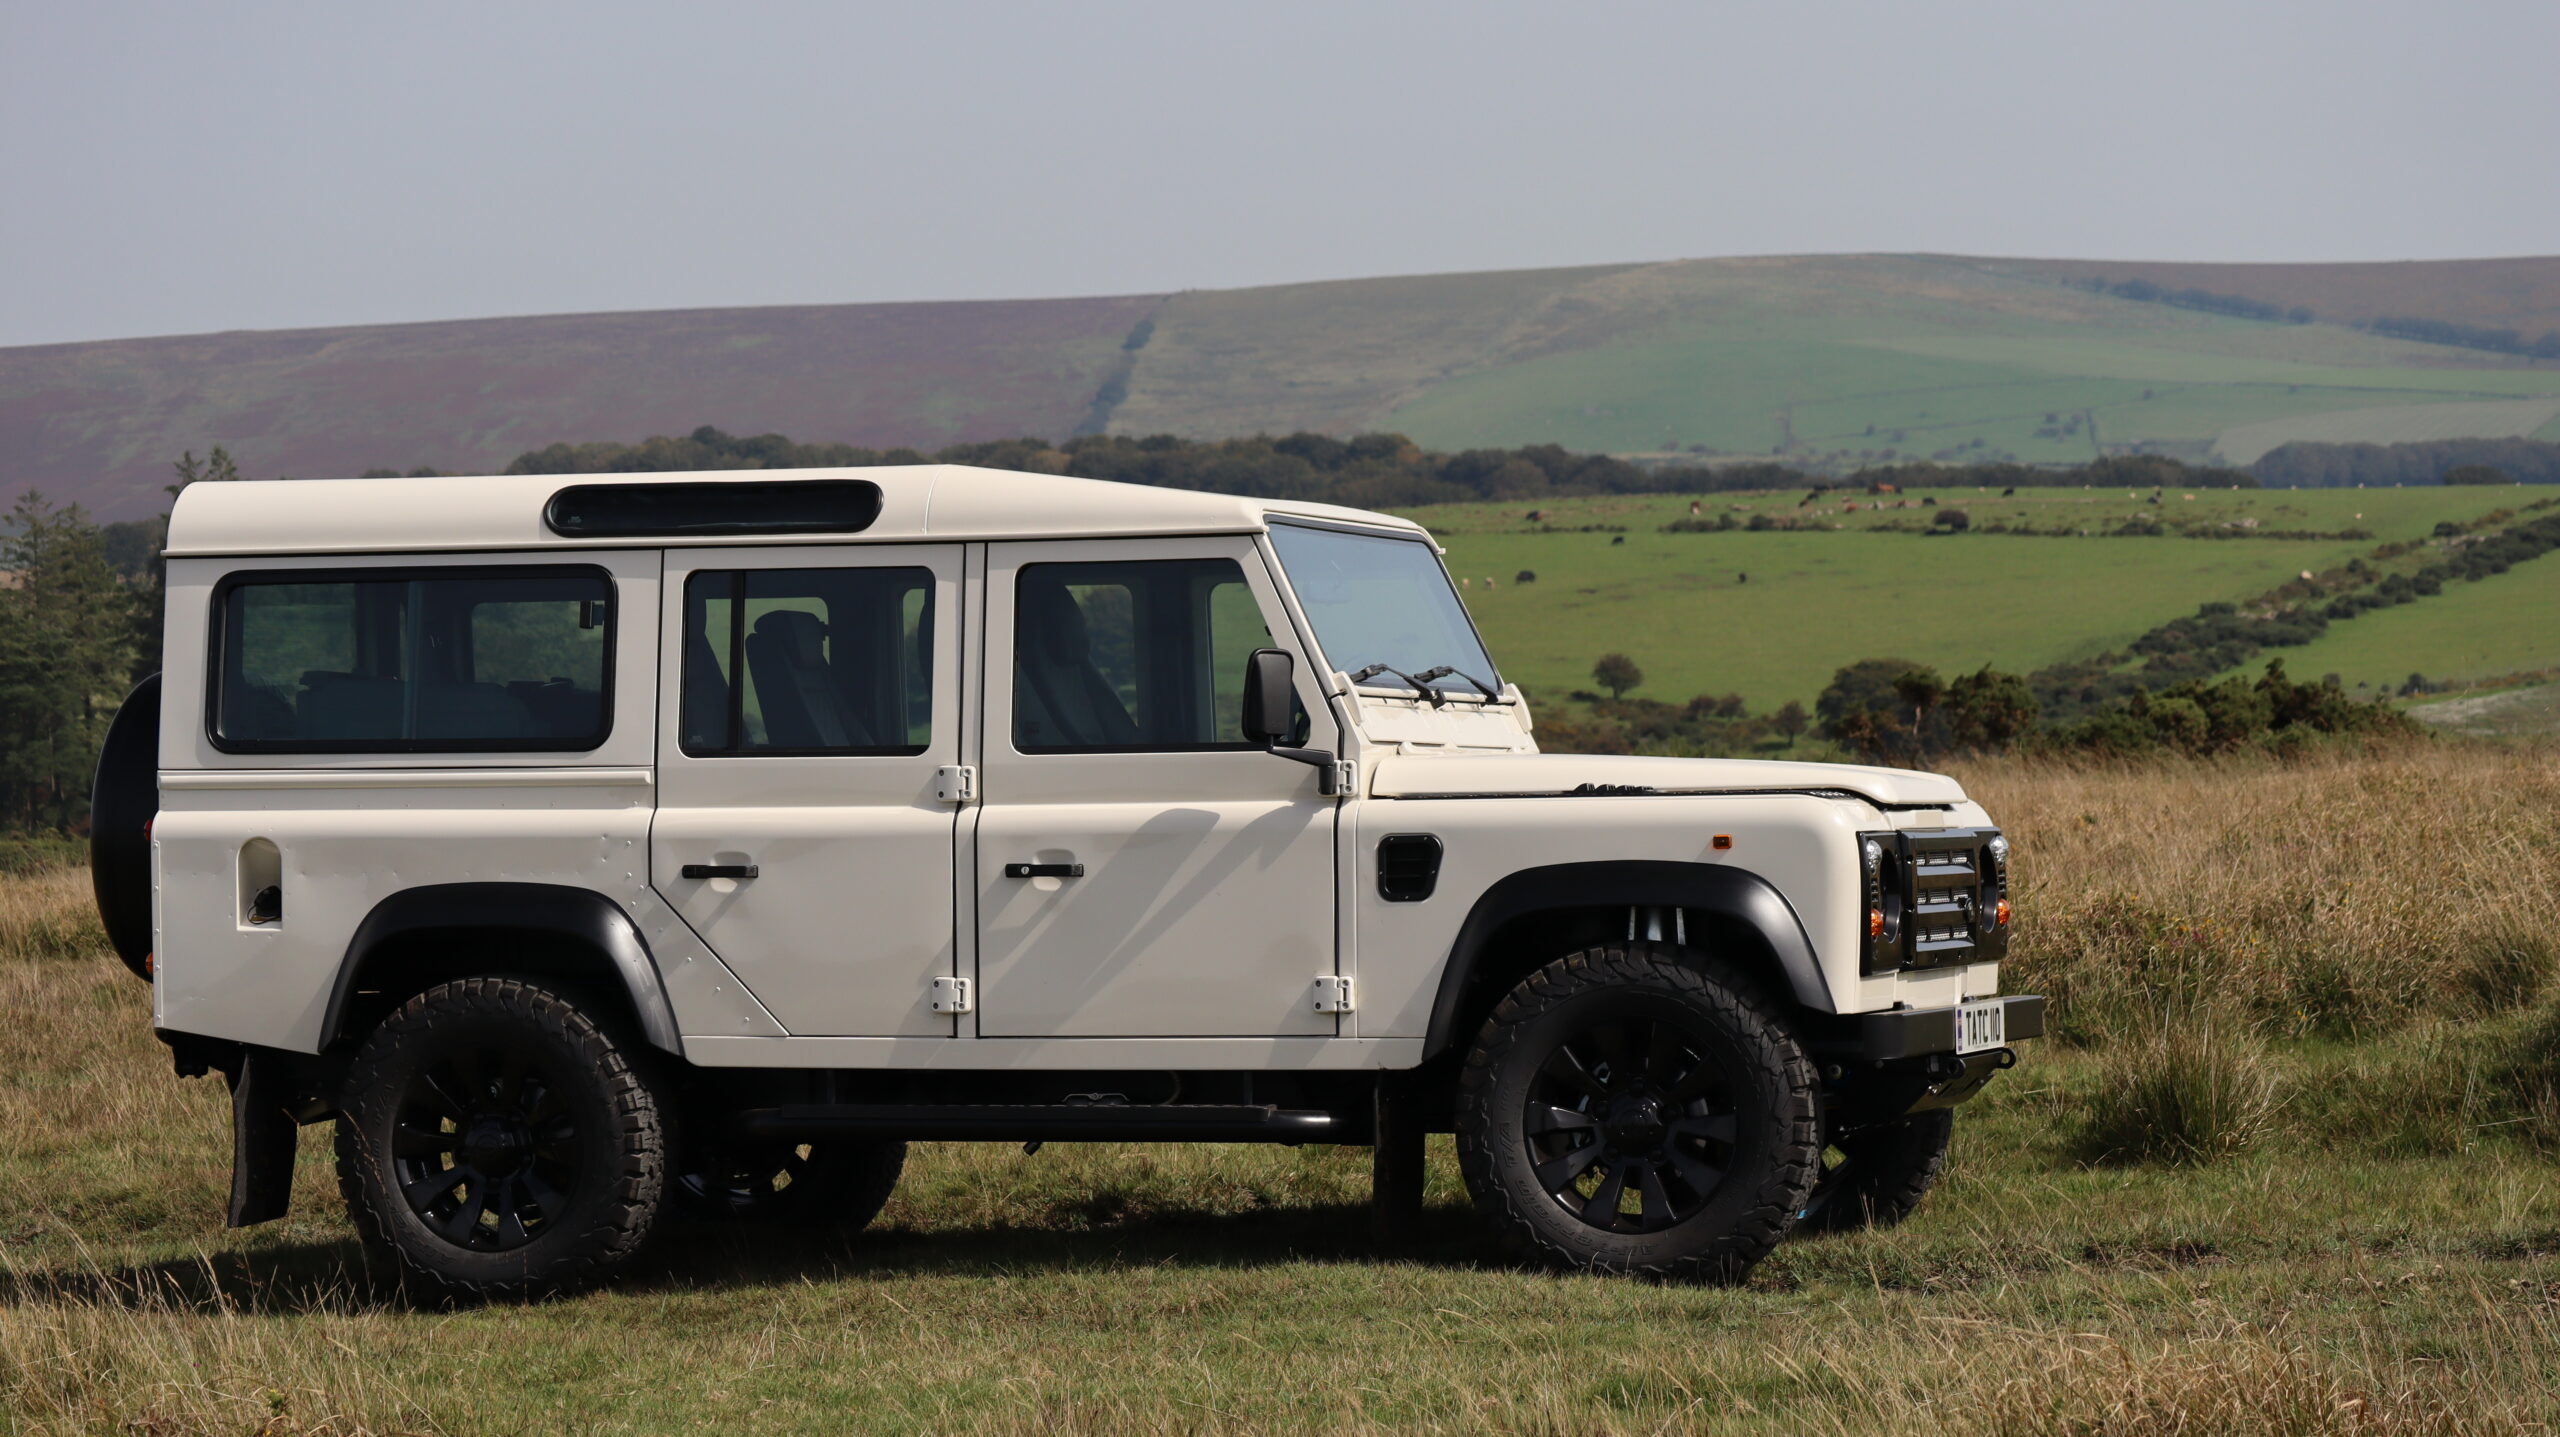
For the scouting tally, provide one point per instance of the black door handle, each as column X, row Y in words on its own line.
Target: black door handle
column 719, row 870
column 1044, row 870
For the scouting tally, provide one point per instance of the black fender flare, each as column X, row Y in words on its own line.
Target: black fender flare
column 1734, row 893
column 579, row 914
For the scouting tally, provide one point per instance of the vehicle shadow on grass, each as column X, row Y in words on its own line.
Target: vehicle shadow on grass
column 297, row 1278
column 713, row 1255
column 283, row 1278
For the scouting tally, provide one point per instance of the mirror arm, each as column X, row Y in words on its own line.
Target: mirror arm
column 1322, row 761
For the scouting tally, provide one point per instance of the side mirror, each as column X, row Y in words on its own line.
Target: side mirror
column 1270, row 715
column 1268, row 684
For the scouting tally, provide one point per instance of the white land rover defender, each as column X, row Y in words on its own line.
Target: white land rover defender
column 592, row 848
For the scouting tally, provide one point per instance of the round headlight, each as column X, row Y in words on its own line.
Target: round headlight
column 2000, row 849
column 1875, row 854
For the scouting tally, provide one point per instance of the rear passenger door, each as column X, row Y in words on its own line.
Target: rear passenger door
column 810, row 695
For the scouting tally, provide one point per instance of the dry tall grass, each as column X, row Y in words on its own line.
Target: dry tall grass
column 2187, row 918
column 2343, row 893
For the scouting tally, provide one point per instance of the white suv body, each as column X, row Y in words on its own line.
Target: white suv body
column 946, row 770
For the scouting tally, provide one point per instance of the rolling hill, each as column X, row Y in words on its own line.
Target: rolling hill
column 1826, row 360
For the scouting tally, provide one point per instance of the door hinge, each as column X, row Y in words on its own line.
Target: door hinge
column 1346, row 778
column 1333, row 995
column 956, row 783
column 951, row 995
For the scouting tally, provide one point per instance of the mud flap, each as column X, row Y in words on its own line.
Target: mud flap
column 263, row 1134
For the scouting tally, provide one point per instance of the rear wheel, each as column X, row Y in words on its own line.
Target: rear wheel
column 1873, row 1176
column 496, row 1142
column 842, row 1184
column 1627, row 1111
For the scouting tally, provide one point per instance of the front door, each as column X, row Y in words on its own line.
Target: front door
column 811, row 693
column 1142, row 871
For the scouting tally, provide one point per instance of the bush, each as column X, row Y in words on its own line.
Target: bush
column 2196, row 1086
column 1955, row 519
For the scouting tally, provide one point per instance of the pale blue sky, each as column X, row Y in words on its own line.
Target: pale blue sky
column 169, row 168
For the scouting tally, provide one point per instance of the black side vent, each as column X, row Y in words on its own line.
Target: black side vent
column 727, row 509
column 1408, row 867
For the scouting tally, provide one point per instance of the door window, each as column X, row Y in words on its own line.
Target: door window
column 1143, row 656
column 835, row 661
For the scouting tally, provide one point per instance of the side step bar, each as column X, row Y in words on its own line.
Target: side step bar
column 1052, row 1122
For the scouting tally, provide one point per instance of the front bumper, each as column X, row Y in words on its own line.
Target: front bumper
column 1915, row 1033
column 1882, row 1066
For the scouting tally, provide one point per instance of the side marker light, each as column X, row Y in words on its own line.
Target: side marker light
column 1722, row 840
column 1875, row 922
column 2000, row 914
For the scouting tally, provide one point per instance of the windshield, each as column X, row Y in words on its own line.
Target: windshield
column 1382, row 602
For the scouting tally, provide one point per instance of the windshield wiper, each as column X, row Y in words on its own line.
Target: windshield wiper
column 1452, row 671
column 1419, row 685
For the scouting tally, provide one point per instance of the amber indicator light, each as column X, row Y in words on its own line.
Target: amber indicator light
column 1722, row 840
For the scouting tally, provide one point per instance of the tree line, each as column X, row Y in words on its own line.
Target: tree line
column 2145, row 292
column 2306, row 465
column 1367, row 470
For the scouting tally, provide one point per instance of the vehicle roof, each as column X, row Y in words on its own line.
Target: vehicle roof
column 918, row 501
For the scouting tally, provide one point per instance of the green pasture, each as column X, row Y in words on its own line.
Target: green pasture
column 1923, row 380
column 1772, row 615
column 2505, row 624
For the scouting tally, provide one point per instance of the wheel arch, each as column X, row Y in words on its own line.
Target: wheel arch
column 407, row 944
column 1514, row 924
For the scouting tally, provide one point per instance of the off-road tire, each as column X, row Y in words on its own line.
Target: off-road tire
column 460, row 1050
column 835, row 1184
column 1875, row 1175
column 1754, row 1087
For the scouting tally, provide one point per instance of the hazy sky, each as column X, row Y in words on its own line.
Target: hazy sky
column 186, row 167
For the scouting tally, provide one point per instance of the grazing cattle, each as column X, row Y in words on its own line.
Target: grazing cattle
column 1617, row 539
column 2009, row 493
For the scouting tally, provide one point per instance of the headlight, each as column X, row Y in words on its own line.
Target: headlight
column 1932, row 898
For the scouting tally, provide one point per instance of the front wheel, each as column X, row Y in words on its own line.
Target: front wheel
column 1626, row 1110
column 496, row 1142
column 1873, row 1176
column 838, row 1184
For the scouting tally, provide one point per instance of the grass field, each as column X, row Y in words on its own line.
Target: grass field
column 2507, row 623
column 1772, row 615
column 2376, row 1255
column 1864, row 386
column 1902, row 356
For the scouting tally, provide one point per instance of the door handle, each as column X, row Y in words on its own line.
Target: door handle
column 720, row 870
column 1044, row 870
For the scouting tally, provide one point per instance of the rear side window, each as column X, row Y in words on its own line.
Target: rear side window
column 808, row 661
column 418, row 661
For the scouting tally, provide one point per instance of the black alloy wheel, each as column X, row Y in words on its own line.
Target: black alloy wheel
column 1874, row 1175
column 1635, row 1108
column 485, row 1148
column 497, row 1140
column 1630, row 1124
column 841, row 1184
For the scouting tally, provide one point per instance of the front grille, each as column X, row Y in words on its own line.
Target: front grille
column 1933, row 897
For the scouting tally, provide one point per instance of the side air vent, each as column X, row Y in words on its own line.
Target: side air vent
column 1408, row 867
column 723, row 509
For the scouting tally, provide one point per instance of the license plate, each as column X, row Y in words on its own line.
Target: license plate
column 1982, row 1025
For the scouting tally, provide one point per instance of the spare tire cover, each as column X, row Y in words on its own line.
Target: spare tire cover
column 122, row 804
